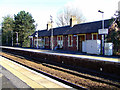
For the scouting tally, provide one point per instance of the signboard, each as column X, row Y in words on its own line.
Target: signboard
column 102, row 31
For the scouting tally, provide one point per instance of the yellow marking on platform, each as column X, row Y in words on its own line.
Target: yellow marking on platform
column 73, row 55
column 82, row 56
column 92, row 57
column 1, row 75
column 30, row 78
column 24, row 78
column 100, row 58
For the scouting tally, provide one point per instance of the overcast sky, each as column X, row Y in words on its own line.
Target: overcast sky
column 42, row 9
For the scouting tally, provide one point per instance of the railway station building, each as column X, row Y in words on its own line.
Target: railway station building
column 72, row 37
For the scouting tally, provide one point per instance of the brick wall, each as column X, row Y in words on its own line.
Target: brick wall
column 55, row 41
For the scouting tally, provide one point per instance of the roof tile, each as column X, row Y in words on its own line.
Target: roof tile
column 90, row 27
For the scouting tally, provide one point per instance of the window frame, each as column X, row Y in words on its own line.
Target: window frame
column 46, row 41
column 70, row 41
column 61, row 40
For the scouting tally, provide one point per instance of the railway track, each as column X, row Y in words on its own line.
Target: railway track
column 8, row 56
column 73, row 78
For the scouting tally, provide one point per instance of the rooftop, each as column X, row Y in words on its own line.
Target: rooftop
column 90, row 27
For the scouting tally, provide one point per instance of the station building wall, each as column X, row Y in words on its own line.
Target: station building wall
column 70, row 42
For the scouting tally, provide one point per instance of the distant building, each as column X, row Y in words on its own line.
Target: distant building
column 71, row 37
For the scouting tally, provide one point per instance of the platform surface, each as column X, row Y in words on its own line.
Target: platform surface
column 77, row 55
column 8, row 80
column 17, row 76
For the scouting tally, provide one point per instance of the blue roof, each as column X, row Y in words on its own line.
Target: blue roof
column 90, row 27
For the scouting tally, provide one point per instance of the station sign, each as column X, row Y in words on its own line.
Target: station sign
column 102, row 31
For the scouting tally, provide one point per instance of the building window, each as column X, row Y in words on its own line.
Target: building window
column 39, row 42
column 46, row 41
column 94, row 36
column 88, row 36
column 60, row 41
column 70, row 40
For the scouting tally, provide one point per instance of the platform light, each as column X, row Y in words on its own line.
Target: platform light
column 103, row 29
column 17, row 38
column 37, row 35
column 51, row 18
column 12, row 38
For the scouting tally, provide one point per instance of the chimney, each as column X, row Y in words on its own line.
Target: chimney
column 49, row 25
column 73, row 21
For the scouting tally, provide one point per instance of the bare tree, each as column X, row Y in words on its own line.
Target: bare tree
column 63, row 18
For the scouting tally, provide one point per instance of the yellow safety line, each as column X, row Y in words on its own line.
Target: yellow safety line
column 24, row 78
column 99, row 58
column 84, row 56
column 79, row 56
column 92, row 57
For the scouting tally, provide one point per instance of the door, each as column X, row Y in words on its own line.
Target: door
column 80, row 39
column 60, row 41
column 65, row 43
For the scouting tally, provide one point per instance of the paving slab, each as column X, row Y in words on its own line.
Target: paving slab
column 8, row 81
column 31, row 79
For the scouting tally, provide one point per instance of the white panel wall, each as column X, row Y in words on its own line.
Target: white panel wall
column 84, row 46
column 92, row 46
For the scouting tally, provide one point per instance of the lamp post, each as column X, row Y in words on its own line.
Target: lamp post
column 37, row 39
column 51, row 32
column 103, row 29
column 17, row 37
column 37, row 35
column 12, row 38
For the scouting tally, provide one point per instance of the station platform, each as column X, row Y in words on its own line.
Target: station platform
column 8, row 80
column 17, row 76
column 70, row 54
column 81, row 55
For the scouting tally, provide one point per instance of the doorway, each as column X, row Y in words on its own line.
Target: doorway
column 81, row 38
